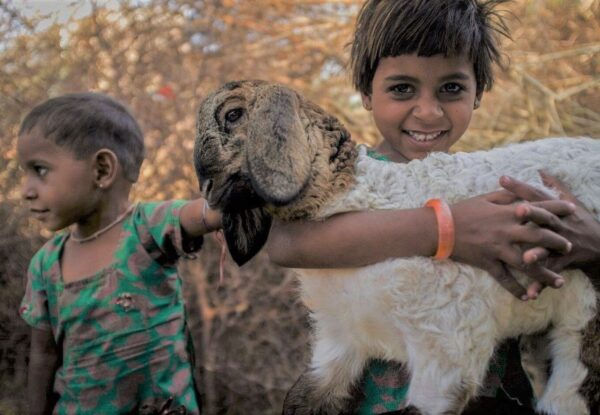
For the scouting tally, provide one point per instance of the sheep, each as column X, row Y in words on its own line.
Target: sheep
column 262, row 150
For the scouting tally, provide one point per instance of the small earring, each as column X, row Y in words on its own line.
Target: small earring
column 477, row 103
column 101, row 186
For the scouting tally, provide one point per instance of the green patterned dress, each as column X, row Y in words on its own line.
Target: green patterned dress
column 122, row 331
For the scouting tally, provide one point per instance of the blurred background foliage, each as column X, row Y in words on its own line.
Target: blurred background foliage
column 161, row 57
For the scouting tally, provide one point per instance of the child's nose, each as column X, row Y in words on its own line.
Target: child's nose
column 28, row 190
column 428, row 108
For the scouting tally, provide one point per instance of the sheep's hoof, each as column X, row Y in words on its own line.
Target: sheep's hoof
column 572, row 405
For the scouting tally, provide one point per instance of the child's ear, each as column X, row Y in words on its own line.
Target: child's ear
column 477, row 102
column 366, row 101
column 106, row 165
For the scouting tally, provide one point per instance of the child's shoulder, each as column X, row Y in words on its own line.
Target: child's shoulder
column 49, row 253
column 157, row 211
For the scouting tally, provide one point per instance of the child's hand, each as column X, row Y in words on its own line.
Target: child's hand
column 197, row 218
column 490, row 231
column 580, row 228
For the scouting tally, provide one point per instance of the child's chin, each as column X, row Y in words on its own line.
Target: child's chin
column 53, row 227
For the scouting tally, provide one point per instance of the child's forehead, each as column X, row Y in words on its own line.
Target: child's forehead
column 34, row 145
column 418, row 66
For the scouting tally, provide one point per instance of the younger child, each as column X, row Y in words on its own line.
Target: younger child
column 421, row 68
column 103, row 297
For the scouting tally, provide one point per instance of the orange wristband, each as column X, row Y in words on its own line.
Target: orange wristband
column 445, row 228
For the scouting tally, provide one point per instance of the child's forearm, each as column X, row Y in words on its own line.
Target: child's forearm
column 488, row 235
column 43, row 363
column 353, row 239
column 486, row 229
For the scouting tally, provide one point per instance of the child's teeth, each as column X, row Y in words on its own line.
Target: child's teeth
column 424, row 137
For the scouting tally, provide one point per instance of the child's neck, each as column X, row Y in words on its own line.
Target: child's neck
column 390, row 153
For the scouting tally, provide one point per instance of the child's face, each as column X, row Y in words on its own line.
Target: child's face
column 422, row 104
column 59, row 188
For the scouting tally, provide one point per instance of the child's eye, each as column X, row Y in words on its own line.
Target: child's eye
column 41, row 171
column 401, row 89
column 452, row 88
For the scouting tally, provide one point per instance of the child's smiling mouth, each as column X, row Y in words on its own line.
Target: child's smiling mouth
column 422, row 136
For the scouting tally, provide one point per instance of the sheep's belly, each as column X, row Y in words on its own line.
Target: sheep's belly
column 376, row 309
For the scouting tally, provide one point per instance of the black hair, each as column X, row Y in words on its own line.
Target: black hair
column 87, row 122
column 389, row 28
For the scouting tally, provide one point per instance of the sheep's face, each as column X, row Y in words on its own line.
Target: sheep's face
column 261, row 146
column 250, row 146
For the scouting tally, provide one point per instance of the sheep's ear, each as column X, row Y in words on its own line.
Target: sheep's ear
column 278, row 148
column 246, row 232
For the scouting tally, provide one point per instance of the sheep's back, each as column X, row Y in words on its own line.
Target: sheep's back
column 454, row 177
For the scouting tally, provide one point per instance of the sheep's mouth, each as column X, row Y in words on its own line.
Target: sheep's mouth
column 236, row 194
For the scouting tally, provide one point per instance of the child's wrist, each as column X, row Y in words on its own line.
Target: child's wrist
column 211, row 220
column 445, row 228
column 428, row 235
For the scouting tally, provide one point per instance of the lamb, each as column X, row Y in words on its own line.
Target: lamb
column 263, row 151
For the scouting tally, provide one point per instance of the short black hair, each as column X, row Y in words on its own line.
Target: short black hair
column 87, row 122
column 389, row 28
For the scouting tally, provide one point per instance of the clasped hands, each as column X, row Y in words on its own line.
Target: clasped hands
column 529, row 230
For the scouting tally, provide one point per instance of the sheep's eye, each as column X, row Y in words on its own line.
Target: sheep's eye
column 234, row 115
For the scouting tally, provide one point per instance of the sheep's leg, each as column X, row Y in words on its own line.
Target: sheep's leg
column 449, row 397
column 439, row 387
column 535, row 360
column 561, row 395
column 325, row 388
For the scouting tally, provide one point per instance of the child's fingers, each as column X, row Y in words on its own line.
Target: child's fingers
column 556, row 206
column 523, row 190
column 534, row 289
column 560, row 187
column 534, row 235
column 535, row 254
column 545, row 214
column 543, row 276
column 505, row 278
column 501, row 197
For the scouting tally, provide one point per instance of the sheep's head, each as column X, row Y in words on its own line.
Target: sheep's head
column 261, row 150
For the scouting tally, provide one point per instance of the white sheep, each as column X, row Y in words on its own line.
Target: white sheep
column 263, row 150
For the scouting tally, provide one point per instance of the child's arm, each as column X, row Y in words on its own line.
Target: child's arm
column 488, row 232
column 43, row 363
column 197, row 218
